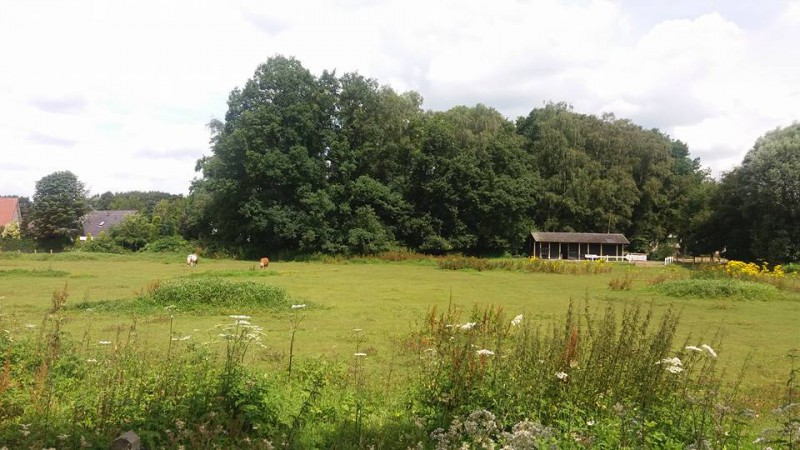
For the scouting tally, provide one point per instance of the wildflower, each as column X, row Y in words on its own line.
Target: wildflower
column 673, row 365
column 359, row 354
column 301, row 306
column 468, row 326
column 104, row 343
column 485, row 352
column 693, row 348
column 674, row 369
column 710, row 350
column 562, row 376
column 239, row 317
column 674, row 361
column 516, row 320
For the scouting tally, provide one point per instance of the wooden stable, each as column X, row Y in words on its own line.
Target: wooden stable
column 578, row 246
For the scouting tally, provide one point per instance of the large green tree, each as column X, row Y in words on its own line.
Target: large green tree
column 345, row 165
column 605, row 174
column 760, row 200
column 267, row 173
column 471, row 184
column 59, row 203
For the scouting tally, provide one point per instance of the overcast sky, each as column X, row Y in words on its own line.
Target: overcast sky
column 119, row 92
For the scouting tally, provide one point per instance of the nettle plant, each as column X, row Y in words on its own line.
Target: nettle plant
column 610, row 378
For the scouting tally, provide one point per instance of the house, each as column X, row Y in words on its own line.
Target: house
column 577, row 246
column 9, row 211
column 95, row 222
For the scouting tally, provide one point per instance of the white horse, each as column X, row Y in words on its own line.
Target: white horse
column 191, row 260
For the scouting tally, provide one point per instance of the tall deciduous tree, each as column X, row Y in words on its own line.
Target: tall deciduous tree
column 763, row 199
column 268, row 167
column 59, row 203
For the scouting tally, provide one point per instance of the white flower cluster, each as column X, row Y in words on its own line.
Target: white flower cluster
column 703, row 348
column 672, row 365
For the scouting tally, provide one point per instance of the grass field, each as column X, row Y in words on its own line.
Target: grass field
column 387, row 300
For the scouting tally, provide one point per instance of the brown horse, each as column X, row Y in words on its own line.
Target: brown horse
column 264, row 263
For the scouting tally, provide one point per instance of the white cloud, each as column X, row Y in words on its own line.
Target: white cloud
column 119, row 92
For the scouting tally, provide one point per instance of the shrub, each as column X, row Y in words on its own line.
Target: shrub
column 526, row 265
column 621, row 284
column 569, row 382
column 169, row 244
column 103, row 243
column 716, row 288
column 217, row 294
column 464, row 262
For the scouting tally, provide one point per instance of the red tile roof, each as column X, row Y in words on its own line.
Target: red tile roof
column 9, row 210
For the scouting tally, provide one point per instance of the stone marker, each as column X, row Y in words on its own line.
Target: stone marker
column 127, row 441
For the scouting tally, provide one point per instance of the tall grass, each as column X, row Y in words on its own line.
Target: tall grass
column 597, row 378
column 208, row 294
column 715, row 288
column 525, row 265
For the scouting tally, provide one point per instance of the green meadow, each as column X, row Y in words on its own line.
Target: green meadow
column 390, row 302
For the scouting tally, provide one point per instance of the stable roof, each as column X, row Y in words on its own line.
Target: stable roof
column 580, row 238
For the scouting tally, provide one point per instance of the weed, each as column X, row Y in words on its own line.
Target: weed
column 717, row 288
column 621, row 284
column 198, row 294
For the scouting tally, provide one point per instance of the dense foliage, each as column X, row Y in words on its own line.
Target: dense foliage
column 343, row 165
column 58, row 206
column 759, row 202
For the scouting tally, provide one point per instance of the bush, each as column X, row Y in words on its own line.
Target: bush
column 575, row 381
column 103, row 243
column 526, row 265
column 216, row 292
column 25, row 245
column 621, row 284
column 169, row 244
column 717, row 288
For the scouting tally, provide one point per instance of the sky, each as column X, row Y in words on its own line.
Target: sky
column 119, row 92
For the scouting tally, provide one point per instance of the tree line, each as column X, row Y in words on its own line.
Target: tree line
column 343, row 165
